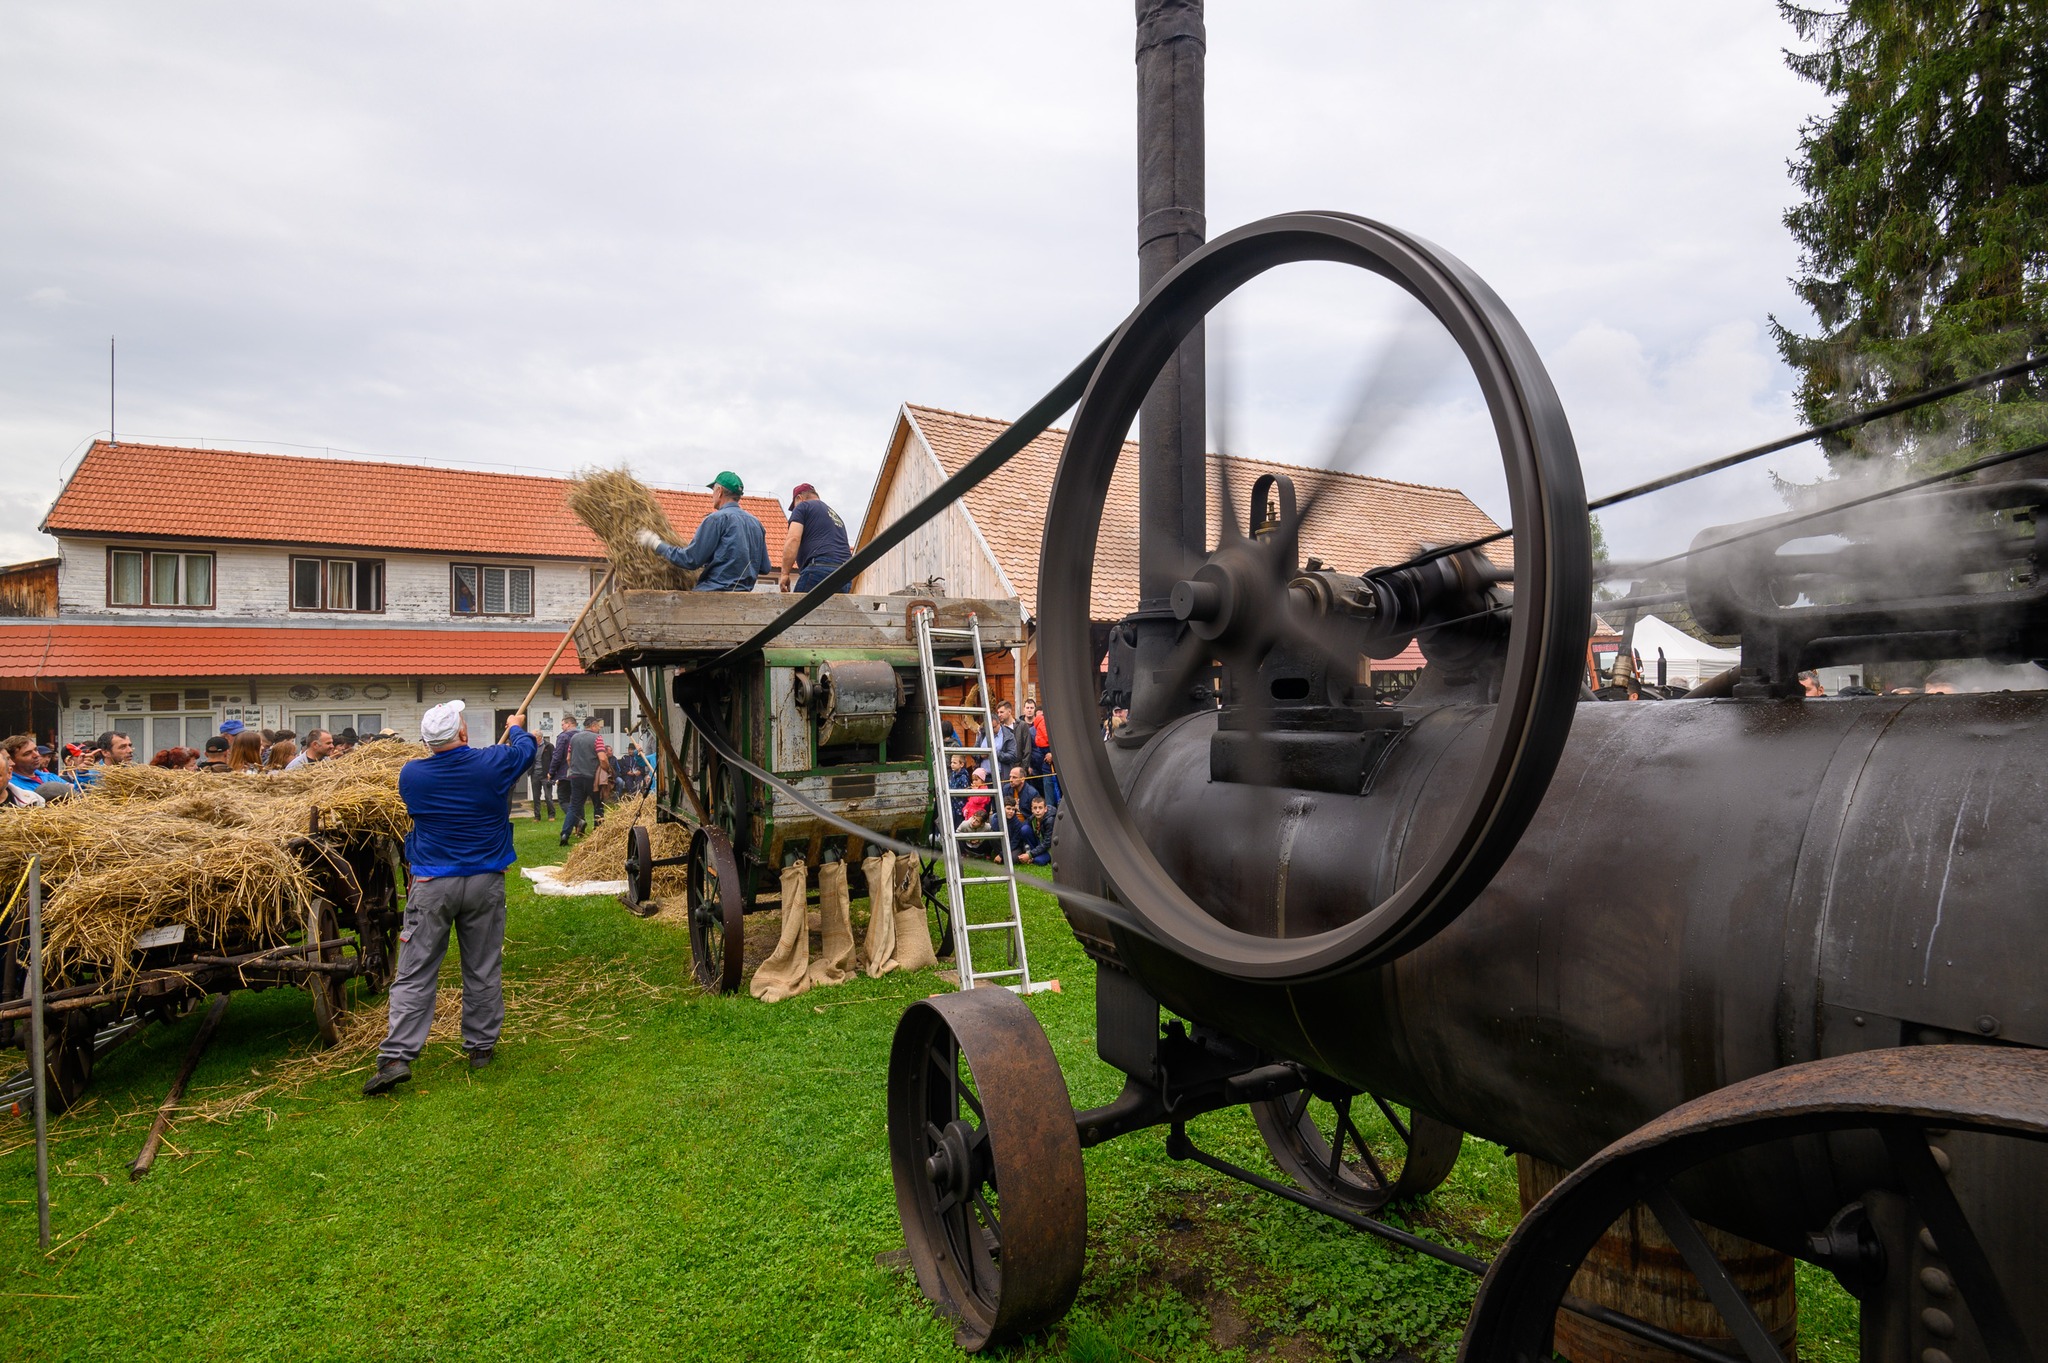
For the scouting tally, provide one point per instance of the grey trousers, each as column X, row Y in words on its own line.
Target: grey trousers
column 475, row 907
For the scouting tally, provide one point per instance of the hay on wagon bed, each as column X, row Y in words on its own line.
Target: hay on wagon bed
column 150, row 847
column 602, row 854
column 615, row 504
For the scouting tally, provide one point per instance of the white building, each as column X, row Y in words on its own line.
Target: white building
column 196, row 586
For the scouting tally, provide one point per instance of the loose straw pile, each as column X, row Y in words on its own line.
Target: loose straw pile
column 615, row 504
column 601, row 855
column 148, row 848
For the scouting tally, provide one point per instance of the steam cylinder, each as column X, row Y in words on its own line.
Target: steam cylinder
column 1710, row 890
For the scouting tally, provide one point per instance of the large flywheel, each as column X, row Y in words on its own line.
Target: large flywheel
column 1247, row 600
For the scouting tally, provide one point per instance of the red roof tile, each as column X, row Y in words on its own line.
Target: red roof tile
column 67, row 651
column 171, row 492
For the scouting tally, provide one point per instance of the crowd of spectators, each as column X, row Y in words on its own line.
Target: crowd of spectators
column 38, row 773
column 1022, row 803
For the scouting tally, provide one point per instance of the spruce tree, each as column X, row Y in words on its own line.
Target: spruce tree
column 1924, row 229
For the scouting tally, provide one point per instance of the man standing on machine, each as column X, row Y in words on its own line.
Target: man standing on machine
column 815, row 544
column 729, row 550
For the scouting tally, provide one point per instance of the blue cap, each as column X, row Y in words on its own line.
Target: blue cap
column 233, row 726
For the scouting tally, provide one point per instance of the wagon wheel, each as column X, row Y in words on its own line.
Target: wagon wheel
column 1246, row 599
column 380, row 921
column 1915, row 1099
column 67, row 1057
column 716, row 899
column 329, row 992
column 931, row 881
column 987, row 1164
column 639, row 894
column 1326, row 1151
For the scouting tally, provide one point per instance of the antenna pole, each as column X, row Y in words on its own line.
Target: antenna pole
column 111, row 440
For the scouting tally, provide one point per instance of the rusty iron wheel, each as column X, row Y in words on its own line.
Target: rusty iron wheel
column 380, row 919
column 716, row 900
column 639, row 894
column 1544, row 651
column 328, row 992
column 987, row 1164
column 1912, row 1098
column 1323, row 1148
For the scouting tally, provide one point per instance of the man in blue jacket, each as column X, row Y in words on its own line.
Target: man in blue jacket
column 459, row 847
column 730, row 547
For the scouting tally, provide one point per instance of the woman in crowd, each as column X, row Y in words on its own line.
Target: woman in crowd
column 280, row 755
column 176, row 759
column 245, row 753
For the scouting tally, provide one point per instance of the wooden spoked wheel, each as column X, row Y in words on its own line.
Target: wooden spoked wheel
column 987, row 1164
column 716, row 899
column 328, row 991
column 67, row 1057
column 1331, row 1148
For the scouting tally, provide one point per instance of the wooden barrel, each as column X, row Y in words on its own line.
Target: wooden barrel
column 1637, row 1270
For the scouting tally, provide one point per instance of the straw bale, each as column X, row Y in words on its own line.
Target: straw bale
column 615, row 504
column 601, row 854
column 151, row 847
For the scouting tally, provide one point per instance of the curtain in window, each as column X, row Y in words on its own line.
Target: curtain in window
column 126, row 587
column 522, row 591
column 199, row 579
column 494, row 591
column 341, row 585
column 163, row 579
column 465, row 589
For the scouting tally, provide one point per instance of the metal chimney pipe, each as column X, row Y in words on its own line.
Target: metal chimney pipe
column 1172, row 424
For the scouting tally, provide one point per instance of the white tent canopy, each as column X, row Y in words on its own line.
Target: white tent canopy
column 1687, row 661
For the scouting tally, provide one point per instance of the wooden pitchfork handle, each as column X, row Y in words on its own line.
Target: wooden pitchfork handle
column 562, row 647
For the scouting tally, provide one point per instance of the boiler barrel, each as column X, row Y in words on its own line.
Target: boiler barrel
column 1711, row 889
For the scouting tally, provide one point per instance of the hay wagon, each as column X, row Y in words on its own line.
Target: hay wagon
column 831, row 707
column 346, row 928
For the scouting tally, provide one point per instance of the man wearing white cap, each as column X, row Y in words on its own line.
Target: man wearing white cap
column 459, row 847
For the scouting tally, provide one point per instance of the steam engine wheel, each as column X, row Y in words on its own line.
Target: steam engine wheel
column 987, row 1164
column 1326, row 1151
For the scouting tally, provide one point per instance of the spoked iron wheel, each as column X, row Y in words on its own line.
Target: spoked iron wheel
column 329, row 992
column 640, row 870
column 378, row 925
column 1910, row 1240
column 716, row 900
column 987, row 1164
column 1328, row 1148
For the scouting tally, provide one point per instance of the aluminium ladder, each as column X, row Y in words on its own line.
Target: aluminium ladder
column 1016, row 973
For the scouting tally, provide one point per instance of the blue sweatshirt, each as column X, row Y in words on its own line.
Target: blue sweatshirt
column 457, row 798
column 730, row 547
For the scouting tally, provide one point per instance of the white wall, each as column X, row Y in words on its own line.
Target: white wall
column 253, row 582
column 90, row 712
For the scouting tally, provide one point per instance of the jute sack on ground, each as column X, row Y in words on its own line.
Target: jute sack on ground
column 835, row 956
column 786, row 974
column 913, row 947
column 880, row 945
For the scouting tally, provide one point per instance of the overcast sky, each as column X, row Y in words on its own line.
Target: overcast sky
column 693, row 236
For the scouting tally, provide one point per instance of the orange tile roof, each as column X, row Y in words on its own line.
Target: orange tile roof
column 65, row 651
column 171, row 492
column 1361, row 522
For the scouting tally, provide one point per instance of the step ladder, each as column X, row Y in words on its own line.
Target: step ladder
column 1015, row 974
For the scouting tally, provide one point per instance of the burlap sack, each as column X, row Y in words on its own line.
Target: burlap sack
column 880, row 945
column 835, row 955
column 913, row 932
column 787, row 973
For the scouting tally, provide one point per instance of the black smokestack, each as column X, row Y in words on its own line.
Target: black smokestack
column 1172, row 425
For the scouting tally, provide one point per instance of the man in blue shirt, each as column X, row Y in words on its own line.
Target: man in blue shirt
column 730, row 548
column 816, row 543
column 459, row 847
column 27, row 782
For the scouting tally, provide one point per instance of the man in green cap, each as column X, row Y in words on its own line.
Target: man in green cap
column 730, row 547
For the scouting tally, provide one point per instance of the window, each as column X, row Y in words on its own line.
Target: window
column 479, row 589
column 159, row 577
column 337, row 584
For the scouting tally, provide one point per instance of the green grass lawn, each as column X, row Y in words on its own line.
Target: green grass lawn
column 648, row 1172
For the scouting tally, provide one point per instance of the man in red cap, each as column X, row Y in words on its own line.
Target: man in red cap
column 815, row 544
